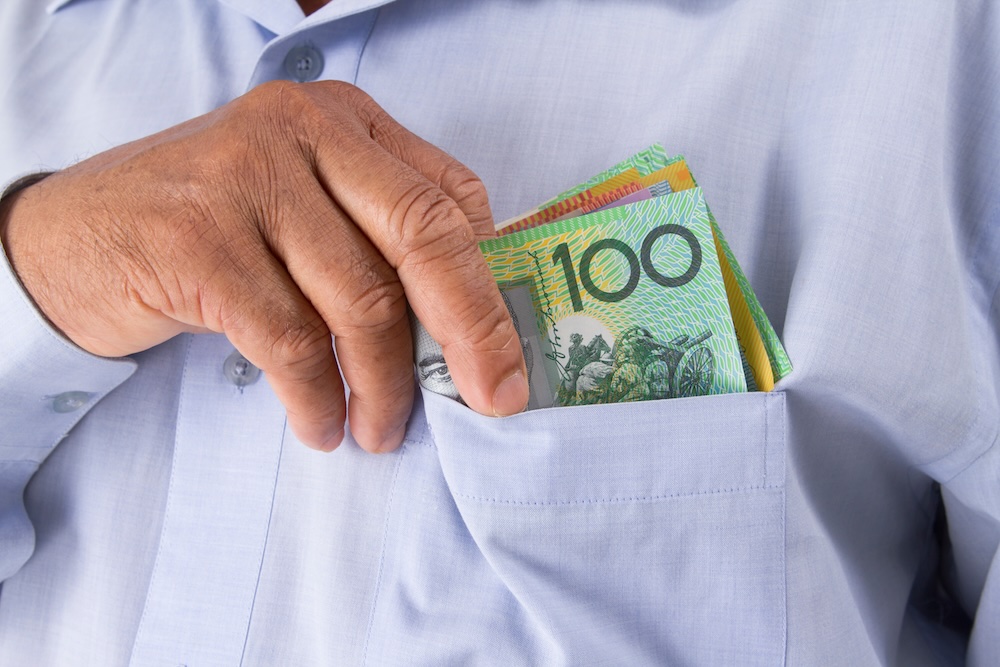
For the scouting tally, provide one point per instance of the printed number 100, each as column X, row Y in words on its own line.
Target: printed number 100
column 561, row 254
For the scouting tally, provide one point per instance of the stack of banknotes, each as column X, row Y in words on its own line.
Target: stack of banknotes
column 624, row 289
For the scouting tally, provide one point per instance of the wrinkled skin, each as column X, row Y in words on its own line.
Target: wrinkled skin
column 295, row 212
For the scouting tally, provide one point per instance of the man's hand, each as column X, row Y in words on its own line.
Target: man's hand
column 294, row 212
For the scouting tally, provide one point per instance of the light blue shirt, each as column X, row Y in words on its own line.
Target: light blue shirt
column 161, row 515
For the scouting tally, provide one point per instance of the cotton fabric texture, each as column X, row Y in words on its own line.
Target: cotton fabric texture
column 851, row 517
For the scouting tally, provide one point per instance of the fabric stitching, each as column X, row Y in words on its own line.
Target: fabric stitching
column 364, row 45
column 263, row 546
column 419, row 441
column 382, row 556
column 615, row 500
column 784, row 566
column 767, row 434
column 168, row 505
column 764, row 486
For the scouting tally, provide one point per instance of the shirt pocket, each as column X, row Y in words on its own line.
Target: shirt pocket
column 636, row 533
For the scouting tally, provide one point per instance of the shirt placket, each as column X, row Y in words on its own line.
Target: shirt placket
column 230, row 431
column 328, row 48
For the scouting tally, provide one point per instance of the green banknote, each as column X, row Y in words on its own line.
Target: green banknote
column 625, row 304
column 645, row 162
column 749, row 317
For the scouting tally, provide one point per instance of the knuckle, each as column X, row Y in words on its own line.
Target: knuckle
column 266, row 91
column 424, row 218
column 348, row 93
column 362, row 271
column 468, row 189
column 386, row 396
column 286, row 109
column 290, row 342
column 470, row 195
column 274, row 103
column 484, row 331
column 314, row 101
column 362, row 105
column 377, row 311
column 279, row 96
column 304, row 353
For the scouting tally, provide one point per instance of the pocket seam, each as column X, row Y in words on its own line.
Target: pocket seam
column 616, row 501
column 768, row 477
column 767, row 437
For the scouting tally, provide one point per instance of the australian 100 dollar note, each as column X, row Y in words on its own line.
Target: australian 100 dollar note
column 651, row 172
column 622, row 304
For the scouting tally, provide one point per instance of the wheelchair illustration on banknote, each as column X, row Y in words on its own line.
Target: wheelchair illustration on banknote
column 637, row 368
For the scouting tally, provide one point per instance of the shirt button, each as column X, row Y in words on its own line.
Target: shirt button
column 239, row 371
column 70, row 401
column 304, row 63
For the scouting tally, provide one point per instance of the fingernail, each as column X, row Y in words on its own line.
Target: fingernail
column 511, row 396
column 332, row 443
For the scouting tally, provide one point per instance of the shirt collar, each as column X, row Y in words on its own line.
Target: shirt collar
column 279, row 17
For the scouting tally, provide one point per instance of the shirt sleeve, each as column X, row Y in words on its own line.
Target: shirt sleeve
column 47, row 385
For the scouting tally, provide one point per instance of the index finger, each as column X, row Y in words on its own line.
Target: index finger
column 431, row 243
column 450, row 175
